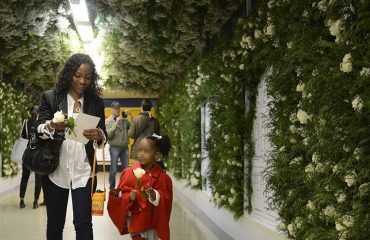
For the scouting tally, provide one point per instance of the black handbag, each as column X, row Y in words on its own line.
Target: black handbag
column 42, row 155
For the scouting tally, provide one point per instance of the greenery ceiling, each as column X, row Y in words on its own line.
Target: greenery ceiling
column 34, row 40
column 147, row 43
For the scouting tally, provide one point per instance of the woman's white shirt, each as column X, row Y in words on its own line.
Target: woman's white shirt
column 74, row 169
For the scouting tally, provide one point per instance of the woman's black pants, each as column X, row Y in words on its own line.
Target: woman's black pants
column 56, row 199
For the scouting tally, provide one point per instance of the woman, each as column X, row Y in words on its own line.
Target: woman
column 25, row 171
column 77, row 91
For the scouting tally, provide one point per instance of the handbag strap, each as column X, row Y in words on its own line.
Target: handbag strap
column 94, row 170
column 24, row 126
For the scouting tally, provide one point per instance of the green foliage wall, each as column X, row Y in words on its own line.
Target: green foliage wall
column 14, row 108
column 316, row 55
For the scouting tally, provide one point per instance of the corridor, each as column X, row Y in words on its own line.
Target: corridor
column 30, row 224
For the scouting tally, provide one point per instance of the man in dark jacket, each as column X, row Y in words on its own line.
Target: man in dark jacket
column 143, row 125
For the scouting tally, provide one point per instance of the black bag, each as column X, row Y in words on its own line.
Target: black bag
column 42, row 155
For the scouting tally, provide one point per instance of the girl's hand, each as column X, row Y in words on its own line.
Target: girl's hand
column 93, row 134
column 133, row 195
column 151, row 194
column 114, row 192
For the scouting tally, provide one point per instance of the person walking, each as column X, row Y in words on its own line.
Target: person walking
column 77, row 91
column 141, row 204
column 142, row 125
column 117, row 126
column 25, row 171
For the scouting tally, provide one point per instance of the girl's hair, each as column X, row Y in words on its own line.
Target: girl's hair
column 70, row 68
column 162, row 143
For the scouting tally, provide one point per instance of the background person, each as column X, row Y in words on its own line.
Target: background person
column 142, row 125
column 117, row 129
column 25, row 171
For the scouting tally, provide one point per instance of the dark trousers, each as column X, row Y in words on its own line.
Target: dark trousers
column 24, row 181
column 56, row 199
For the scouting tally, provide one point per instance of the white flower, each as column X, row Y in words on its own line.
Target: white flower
column 334, row 27
column 346, row 65
column 350, row 178
column 257, row 33
column 315, row 157
column 341, row 197
column 335, row 169
column 139, row 172
column 339, row 226
column 302, row 116
column 231, row 200
column 329, row 211
column 347, row 220
column 298, row 71
column 289, row 44
column 291, row 230
column 357, row 104
column 62, row 24
column 322, row 6
column 310, row 168
column 241, row 66
column 58, row 117
column 311, row 205
column 300, row 87
column 296, row 161
column 270, row 30
column 232, row 190
column 346, row 148
column 365, row 72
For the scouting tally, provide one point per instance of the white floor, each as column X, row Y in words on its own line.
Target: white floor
column 30, row 224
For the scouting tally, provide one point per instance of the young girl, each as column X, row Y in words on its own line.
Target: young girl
column 141, row 204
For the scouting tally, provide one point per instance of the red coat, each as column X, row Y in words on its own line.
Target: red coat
column 144, row 215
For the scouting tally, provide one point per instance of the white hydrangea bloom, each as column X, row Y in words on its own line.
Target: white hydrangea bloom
column 357, row 104
column 346, row 65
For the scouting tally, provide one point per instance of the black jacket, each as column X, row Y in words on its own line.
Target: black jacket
column 92, row 105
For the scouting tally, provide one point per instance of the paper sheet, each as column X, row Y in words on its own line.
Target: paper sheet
column 82, row 122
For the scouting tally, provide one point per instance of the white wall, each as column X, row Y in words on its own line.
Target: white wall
column 262, row 147
column 261, row 223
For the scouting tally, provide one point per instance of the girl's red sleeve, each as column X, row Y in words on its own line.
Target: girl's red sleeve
column 163, row 211
column 118, row 207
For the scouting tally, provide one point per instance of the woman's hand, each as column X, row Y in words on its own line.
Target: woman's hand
column 133, row 194
column 57, row 126
column 93, row 134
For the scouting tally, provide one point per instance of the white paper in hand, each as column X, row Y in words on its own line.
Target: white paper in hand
column 82, row 122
